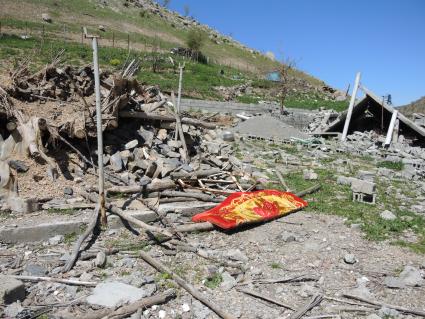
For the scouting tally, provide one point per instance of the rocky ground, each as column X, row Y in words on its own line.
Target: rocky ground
column 334, row 247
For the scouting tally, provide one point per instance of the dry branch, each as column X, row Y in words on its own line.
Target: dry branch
column 58, row 280
column 264, row 297
column 188, row 287
column 315, row 301
column 91, row 226
column 383, row 304
column 115, row 210
column 167, row 118
column 128, row 310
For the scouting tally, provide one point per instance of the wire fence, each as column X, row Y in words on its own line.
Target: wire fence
column 122, row 40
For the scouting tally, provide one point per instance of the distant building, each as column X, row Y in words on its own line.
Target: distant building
column 273, row 76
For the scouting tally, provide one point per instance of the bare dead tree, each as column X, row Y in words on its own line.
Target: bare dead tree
column 155, row 55
column 284, row 70
column 186, row 10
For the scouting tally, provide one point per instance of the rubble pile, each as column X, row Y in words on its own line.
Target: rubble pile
column 145, row 143
column 321, row 120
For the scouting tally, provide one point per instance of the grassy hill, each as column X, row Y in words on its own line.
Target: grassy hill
column 144, row 29
column 417, row 106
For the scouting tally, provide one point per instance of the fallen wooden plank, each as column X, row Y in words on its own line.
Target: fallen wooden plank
column 167, row 118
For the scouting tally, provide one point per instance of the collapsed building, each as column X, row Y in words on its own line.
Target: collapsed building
column 373, row 114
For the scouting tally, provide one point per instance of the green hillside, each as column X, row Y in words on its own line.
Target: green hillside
column 148, row 31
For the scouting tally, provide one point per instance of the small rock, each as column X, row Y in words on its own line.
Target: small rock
column 19, row 166
column 387, row 215
column 56, row 240
column 237, row 255
column 385, row 312
column 35, row 270
column 100, row 260
column 132, row 144
column 185, row 307
column 373, row 316
column 310, row 175
column 116, row 162
column 162, row 134
column 102, row 28
column 46, row 17
column 228, row 281
column 68, row 191
column 410, row 276
column 350, row 259
column 162, row 314
column 13, row 309
column 288, row 237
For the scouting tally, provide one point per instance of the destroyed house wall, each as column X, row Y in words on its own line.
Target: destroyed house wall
column 369, row 115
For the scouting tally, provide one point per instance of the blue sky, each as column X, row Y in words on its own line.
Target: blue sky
column 331, row 39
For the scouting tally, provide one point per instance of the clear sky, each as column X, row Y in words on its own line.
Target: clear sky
column 331, row 39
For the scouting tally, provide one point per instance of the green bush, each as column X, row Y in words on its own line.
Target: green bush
column 114, row 62
column 195, row 40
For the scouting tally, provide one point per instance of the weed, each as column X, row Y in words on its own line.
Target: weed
column 70, row 238
column 275, row 265
column 67, row 211
column 397, row 166
column 214, row 281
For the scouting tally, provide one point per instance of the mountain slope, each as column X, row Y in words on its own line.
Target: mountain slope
column 417, row 106
column 144, row 27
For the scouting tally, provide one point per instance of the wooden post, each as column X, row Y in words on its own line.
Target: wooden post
column 102, row 209
column 82, row 35
column 391, row 129
column 350, row 107
column 42, row 33
column 113, row 39
column 26, row 28
column 1, row 34
column 181, row 67
column 128, row 42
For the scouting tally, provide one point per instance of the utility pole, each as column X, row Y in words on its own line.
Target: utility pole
column 350, row 107
column 181, row 67
column 99, row 129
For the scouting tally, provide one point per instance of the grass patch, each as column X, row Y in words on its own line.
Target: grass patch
column 276, row 265
column 70, row 238
column 315, row 103
column 67, row 211
column 214, row 281
column 397, row 166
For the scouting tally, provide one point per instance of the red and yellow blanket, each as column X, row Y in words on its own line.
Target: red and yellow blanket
column 251, row 207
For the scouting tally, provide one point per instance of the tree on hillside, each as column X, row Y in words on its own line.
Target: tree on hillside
column 195, row 40
column 284, row 69
column 186, row 9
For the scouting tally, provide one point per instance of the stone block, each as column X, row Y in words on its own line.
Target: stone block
column 11, row 290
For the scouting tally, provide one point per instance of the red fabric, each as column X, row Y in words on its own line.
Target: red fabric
column 251, row 207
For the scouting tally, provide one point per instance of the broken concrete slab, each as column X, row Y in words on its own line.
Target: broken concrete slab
column 113, row 294
column 11, row 290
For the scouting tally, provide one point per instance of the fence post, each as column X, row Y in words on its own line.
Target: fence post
column 113, row 39
column 128, row 42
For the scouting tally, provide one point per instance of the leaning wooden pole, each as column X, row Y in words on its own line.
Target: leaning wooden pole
column 102, row 209
column 350, row 107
